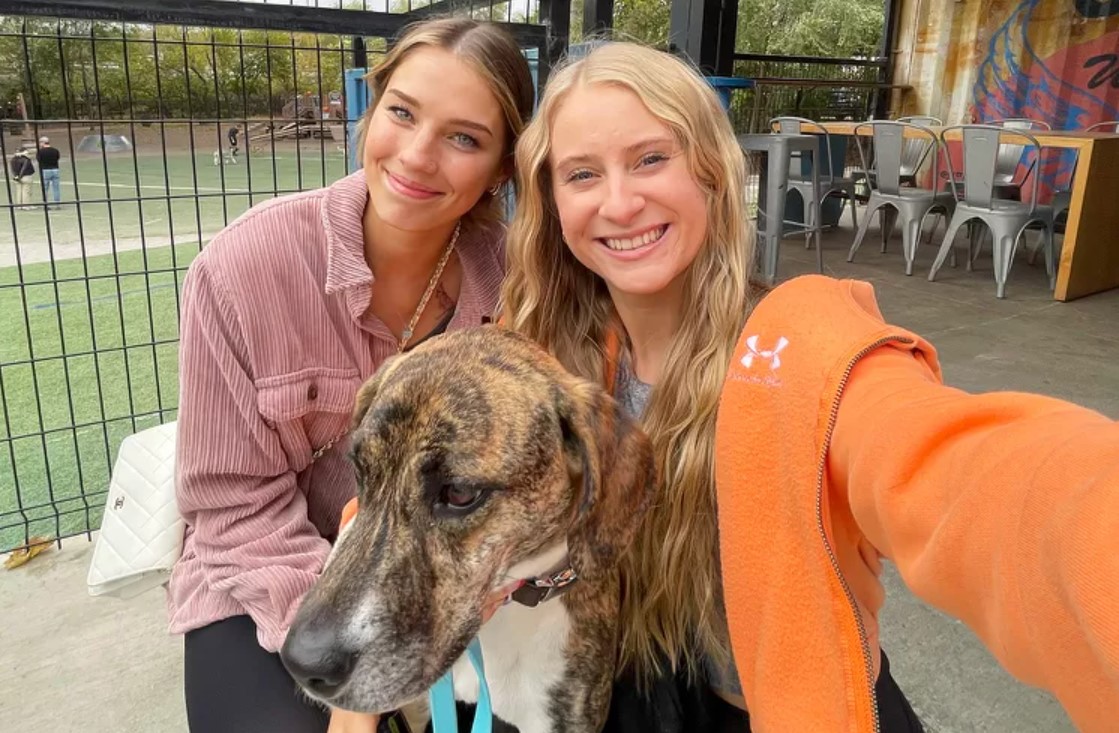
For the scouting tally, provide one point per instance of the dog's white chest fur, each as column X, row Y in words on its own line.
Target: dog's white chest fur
column 523, row 652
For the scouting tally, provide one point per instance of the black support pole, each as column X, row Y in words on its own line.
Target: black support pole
column 361, row 59
column 556, row 17
column 598, row 17
column 704, row 30
column 892, row 11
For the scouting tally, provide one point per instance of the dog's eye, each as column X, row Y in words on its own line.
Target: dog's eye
column 458, row 499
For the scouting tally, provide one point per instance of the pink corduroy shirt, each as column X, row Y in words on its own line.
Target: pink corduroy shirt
column 275, row 342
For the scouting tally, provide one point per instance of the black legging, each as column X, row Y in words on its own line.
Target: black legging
column 671, row 705
column 233, row 686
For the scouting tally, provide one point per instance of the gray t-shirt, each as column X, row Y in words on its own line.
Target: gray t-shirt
column 633, row 395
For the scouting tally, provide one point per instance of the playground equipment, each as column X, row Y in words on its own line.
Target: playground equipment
column 310, row 106
column 305, row 107
column 303, row 116
column 108, row 143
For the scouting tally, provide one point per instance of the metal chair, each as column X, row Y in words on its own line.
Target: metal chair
column 1006, row 219
column 1010, row 156
column 911, row 203
column 913, row 158
column 913, row 154
column 830, row 181
column 1105, row 126
column 915, row 150
column 1021, row 123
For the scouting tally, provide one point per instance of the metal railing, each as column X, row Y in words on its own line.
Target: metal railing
column 140, row 99
column 806, row 86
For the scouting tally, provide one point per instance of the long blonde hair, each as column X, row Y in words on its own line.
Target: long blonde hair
column 493, row 54
column 671, row 583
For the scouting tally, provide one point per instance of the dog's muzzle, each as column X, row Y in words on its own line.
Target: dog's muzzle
column 318, row 660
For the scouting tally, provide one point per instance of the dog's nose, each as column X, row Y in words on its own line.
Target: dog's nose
column 316, row 659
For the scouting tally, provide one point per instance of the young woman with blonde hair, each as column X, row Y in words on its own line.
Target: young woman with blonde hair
column 799, row 438
column 285, row 313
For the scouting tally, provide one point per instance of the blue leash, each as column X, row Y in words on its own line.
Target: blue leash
column 444, row 717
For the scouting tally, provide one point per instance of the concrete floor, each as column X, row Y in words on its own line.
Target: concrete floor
column 72, row 663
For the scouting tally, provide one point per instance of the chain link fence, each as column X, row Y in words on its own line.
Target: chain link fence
column 169, row 122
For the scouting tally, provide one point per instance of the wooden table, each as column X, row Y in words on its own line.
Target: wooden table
column 1090, row 253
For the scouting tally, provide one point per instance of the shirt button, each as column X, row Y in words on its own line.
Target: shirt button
column 312, row 392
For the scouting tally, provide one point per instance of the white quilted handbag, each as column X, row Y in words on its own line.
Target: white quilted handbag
column 142, row 531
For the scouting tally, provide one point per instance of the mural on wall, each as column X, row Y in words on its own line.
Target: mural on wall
column 1052, row 60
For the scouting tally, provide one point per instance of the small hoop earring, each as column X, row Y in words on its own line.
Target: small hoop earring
column 494, row 189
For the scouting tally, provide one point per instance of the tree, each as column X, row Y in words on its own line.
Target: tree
column 642, row 20
column 84, row 69
column 74, row 69
column 839, row 28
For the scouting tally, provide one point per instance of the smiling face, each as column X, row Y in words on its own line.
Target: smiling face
column 630, row 208
column 434, row 142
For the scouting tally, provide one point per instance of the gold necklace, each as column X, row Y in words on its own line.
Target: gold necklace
column 406, row 334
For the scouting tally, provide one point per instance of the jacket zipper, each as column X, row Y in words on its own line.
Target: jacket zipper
column 821, row 469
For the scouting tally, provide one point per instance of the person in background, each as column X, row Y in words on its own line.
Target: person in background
column 48, row 157
column 233, row 134
column 22, row 171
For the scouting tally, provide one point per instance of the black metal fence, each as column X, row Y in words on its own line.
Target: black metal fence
column 822, row 89
column 171, row 121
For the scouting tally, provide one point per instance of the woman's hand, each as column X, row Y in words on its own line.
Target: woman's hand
column 344, row 721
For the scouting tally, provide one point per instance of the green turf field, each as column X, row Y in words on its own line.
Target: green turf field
column 78, row 371
column 169, row 207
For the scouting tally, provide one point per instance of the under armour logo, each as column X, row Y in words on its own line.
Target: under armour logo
column 773, row 356
column 118, row 503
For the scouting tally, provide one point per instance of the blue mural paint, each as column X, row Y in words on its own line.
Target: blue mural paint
column 1015, row 81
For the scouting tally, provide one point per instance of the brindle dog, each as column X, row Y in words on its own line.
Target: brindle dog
column 480, row 462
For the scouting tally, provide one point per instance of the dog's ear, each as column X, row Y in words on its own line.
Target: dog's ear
column 610, row 460
column 368, row 391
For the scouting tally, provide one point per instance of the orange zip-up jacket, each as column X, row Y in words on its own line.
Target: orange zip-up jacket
column 837, row 445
